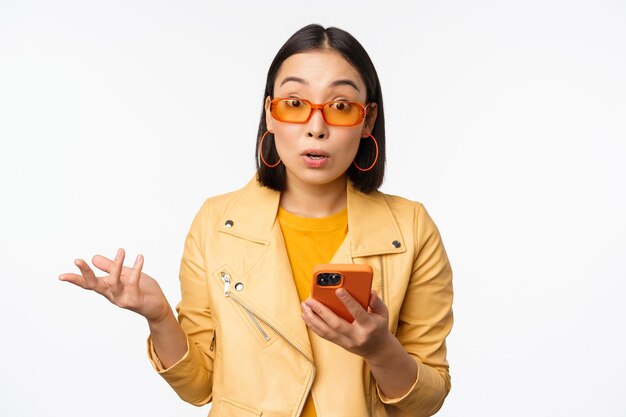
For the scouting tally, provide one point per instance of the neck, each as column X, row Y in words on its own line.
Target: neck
column 314, row 200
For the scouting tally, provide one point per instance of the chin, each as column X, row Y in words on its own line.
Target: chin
column 318, row 177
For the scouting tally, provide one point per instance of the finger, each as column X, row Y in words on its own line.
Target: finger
column 377, row 305
column 89, row 278
column 116, row 269
column 354, row 308
column 312, row 318
column 105, row 264
column 75, row 279
column 133, row 279
column 319, row 326
column 327, row 315
column 314, row 322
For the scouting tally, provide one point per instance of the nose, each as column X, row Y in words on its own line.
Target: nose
column 316, row 127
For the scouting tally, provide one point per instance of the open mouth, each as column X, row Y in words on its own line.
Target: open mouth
column 315, row 158
column 315, row 154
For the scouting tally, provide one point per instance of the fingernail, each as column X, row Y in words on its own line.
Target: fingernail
column 118, row 254
column 341, row 293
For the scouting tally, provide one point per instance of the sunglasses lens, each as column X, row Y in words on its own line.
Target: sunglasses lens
column 336, row 113
column 291, row 110
column 341, row 113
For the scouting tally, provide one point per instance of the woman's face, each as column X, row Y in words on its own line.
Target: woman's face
column 313, row 76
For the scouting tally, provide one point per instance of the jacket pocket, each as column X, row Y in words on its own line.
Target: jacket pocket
column 230, row 408
column 261, row 334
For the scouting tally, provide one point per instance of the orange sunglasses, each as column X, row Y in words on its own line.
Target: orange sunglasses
column 335, row 113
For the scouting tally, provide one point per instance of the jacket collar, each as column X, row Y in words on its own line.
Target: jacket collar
column 372, row 228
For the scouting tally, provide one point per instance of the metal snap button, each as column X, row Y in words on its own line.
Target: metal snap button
column 229, row 223
column 396, row 244
column 239, row 286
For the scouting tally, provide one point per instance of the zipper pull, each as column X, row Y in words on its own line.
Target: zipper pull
column 212, row 342
column 226, row 279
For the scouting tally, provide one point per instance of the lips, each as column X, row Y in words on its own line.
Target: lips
column 315, row 153
column 315, row 158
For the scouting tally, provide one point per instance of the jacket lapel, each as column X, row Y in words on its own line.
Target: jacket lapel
column 372, row 228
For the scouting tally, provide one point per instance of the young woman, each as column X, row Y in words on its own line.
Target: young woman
column 248, row 337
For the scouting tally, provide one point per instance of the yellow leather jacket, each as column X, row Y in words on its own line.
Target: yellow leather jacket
column 249, row 351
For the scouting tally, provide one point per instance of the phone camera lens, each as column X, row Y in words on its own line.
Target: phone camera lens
column 327, row 279
column 322, row 279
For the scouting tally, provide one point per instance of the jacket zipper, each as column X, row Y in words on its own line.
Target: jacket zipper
column 371, row 405
column 373, row 394
column 382, row 279
column 256, row 323
column 212, row 342
column 252, row 313
column 226, row 278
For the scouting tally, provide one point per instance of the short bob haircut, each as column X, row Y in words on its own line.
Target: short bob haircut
column 315, row 37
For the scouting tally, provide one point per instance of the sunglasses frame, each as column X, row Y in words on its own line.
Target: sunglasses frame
column 314, row 106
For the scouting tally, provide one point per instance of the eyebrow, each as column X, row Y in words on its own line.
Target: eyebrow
column 336, row 83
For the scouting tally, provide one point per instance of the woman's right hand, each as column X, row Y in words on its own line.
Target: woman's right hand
column 125, row 287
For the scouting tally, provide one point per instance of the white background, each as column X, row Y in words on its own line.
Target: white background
column 505, row 118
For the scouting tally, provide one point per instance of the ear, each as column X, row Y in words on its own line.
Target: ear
column 370, row 119
column 269, row 120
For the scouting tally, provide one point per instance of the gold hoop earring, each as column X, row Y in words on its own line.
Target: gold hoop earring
column 375, row 159
column 261, row 151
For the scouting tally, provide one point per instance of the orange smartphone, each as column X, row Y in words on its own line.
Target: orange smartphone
column 354, row 278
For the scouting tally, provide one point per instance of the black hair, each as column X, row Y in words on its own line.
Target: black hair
column 316, row 37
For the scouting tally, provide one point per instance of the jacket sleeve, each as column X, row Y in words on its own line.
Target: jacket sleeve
column 426, row 320
column 192, row 376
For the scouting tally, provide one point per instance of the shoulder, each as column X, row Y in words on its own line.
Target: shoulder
column 247, row 212
column 213, row 209
column 218, row 204
column 396, row 202
column 412, row 217
column 403, row 209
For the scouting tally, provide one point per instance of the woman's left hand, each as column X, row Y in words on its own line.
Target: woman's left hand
column 365, row 336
